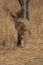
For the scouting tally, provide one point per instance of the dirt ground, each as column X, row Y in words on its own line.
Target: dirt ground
column 32, row 53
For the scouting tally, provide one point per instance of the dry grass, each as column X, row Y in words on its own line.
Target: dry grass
column 32, row 53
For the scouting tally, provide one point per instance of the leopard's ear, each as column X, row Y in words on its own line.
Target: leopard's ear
column 14, row 17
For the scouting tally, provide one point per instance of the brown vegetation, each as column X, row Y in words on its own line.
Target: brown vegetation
column 32, row 53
